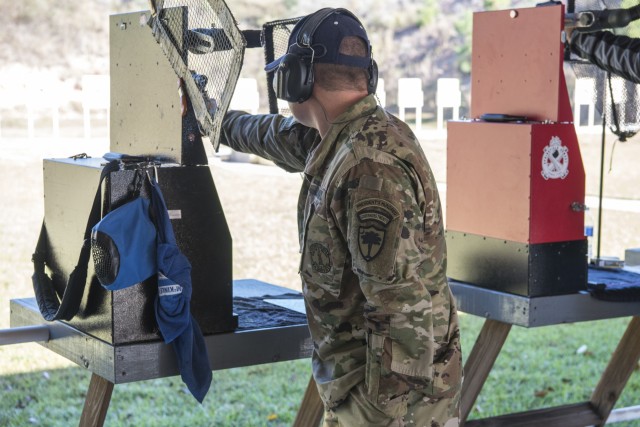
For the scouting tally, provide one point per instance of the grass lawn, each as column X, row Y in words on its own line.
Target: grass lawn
column 537, row 367
column 264, row 395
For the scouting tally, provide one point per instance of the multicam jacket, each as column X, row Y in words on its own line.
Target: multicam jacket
column 373, row 252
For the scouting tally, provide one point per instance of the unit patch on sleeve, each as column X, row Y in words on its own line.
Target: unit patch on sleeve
column 374, row 216
column 320, row 258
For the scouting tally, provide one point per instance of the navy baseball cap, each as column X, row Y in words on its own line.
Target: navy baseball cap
column 325, row 40
column 123, row 245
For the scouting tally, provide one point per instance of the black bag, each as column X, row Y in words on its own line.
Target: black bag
column 51, row 307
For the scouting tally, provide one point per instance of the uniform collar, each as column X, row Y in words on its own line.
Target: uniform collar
column 349, row 122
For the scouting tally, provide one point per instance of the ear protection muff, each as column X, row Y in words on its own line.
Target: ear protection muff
column 293, row 79
column 372, row 84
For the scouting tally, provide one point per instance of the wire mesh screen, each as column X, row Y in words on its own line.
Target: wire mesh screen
column 276, row 43
column 106, row 258
column 205, row 48
column 617, row 99
column 613, row 96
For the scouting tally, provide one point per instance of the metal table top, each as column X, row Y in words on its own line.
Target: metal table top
column 148, row 360
column 142, row 361
column 537, row 311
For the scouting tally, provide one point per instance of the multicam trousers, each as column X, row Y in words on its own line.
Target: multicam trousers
column 421, row 411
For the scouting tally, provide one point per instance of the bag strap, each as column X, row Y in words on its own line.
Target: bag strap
column 160, row 215
column 50, row 306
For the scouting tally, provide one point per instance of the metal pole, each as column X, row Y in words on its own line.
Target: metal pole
column 24, row 334
column 601, row 188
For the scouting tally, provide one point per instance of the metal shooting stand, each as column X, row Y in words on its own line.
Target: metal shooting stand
column 515, row 200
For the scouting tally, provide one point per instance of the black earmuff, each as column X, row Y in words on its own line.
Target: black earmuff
column 293, row 80
column 372, row 83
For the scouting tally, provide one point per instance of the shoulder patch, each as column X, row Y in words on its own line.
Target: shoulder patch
column 375, row 209
column 374, row 215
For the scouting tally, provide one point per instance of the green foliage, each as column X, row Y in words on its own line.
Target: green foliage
column 428, row 12
column 633, row 30
column 496, row 4
column 290, row 4
column 464, row 28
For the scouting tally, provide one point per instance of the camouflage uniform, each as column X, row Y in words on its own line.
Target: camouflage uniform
column 373, row 265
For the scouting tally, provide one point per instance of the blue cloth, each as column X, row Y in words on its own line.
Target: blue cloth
column 124, row 246
column 613, row 285
column 173, row 314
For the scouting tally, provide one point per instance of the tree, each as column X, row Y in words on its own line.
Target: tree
column 464, row 29
column 370, row 238
column 496, row 4
column 633, row 29
column 428, row 12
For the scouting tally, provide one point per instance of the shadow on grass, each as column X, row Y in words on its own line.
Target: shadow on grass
column 262, row 395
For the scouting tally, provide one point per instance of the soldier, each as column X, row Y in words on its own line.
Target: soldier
column 373, row 256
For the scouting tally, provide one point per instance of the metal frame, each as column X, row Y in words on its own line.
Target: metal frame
column 142, row 361
column 537, row 311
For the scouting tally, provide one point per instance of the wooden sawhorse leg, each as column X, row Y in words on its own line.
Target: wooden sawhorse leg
column 311, row 408
column 620, row 367
column 97, row 402
column 480, row 361
column 594, row 412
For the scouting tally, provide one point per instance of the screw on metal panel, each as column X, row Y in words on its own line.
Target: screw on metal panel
column 513, row 14
column 85, row 361
column 579, row 207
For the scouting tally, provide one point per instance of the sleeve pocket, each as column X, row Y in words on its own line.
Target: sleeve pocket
column 384, row 390
column 412, row 350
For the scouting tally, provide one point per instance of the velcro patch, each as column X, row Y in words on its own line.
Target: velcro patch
column 320, row 258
